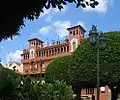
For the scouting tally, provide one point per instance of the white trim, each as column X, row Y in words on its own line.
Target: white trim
column 32, row 50
column 71, row 42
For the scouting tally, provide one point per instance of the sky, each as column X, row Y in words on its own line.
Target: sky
column 53, row 23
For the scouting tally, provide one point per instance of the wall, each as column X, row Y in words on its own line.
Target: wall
column 104, row 95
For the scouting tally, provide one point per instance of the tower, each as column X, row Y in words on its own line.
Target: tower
column 34, row 44
column 76, row 36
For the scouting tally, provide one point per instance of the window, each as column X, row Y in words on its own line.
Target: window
column 74, row 45
column 49, row 52
column 61, row 49
column 77, row 32
column 70, row 32
column 89, row 90
column 67, row 48
column 73, row 32
column 24, row 56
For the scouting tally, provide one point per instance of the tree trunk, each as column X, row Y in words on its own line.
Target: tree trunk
column 114, row 91
column 114, row 95
column 78, row 94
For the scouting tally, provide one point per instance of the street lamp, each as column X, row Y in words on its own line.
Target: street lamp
column 100, row 41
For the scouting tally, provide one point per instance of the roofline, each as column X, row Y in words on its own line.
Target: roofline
column 77, row 26
column 35, row 39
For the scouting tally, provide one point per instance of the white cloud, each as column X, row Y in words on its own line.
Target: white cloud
column 14, row 56
column 101, row 7
column 58, row 27
column 45, row 30
column 61, row 27
column 49, row 13
column 81, row 23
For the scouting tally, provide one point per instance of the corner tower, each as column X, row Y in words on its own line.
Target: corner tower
column 34, row 44
column 76, row 36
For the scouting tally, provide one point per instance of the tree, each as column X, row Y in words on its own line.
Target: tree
column 31, row 89
column 83, row 67
column 57, row 90
column 84, row 63
column 59, row 69
column 8, row 84
column 13, row 16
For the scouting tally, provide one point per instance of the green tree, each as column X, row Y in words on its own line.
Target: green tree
column 59, row 69
column 84, row 63
column 8, row 84
column 29, row 89
column 32, row 89
column 18, row 12
column 57, row 90
column 82, row 71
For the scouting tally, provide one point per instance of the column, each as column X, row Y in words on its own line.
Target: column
column 38, row 65
column 54, row 51
column 51, row 51
column 29, row 67
column 60, row 50
column 63, row 49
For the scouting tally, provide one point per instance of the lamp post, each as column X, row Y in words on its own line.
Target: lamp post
column 100, row 41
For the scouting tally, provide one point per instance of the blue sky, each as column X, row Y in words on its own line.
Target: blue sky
column 54, row 22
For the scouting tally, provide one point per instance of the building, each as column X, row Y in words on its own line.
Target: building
column 37, row 53
column 16, row 66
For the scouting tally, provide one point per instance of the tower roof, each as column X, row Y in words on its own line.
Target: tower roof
column 35, row 39
column 76, row 27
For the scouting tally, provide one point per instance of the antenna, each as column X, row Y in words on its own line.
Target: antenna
column 58, row 37
column 47, row 41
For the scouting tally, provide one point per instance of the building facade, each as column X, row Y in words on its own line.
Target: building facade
column 37, row 52
column 16, row 66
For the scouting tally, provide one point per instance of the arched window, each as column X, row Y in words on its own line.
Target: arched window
column 74, row 45
column 14, row 68
column 65, row 49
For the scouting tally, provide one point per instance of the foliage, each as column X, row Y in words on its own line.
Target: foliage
column 58, row 90
column 32, row 89
column 1, row 65
column 82, row 70
column 8, row 83
column 13, row 87
column 29, row 89
column 84, row 63
column 59, row 69
column 18, row 11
